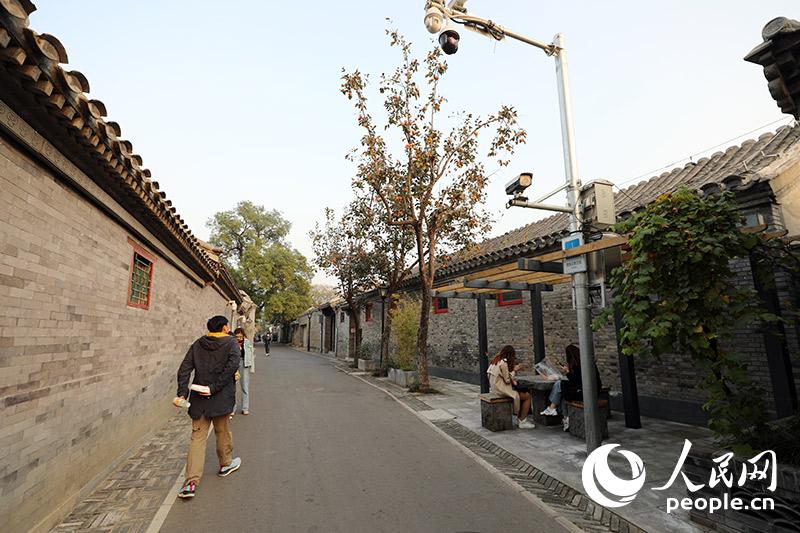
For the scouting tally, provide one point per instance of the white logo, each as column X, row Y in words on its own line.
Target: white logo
column 596, row 471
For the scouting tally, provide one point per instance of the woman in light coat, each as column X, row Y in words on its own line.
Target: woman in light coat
column 501, row 373
column 246, row 367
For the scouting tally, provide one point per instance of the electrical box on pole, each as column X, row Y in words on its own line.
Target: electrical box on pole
column 597, row 199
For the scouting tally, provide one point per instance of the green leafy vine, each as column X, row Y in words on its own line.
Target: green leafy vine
column 677, row 292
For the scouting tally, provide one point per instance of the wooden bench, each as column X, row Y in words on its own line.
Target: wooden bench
column 496, row 412
column 576, row 422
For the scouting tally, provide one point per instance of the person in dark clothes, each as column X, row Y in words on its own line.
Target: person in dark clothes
column 267, row 338
column 572, row 388
column 214, row 358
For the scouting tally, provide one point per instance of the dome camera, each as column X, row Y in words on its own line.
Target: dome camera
column 434, row 20
column 448, row 40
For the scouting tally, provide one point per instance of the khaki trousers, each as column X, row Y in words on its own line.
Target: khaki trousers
column 197, row 445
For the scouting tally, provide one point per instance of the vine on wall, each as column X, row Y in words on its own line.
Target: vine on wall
column 677, row 290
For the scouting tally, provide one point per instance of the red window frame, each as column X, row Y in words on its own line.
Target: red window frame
column 144, row 254
column 509, row 298
column 437, row 306
column 368, row 313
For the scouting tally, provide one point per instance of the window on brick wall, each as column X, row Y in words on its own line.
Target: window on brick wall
column 368, row 313
column 141, row 282
column 509, row 298
column 439, row 305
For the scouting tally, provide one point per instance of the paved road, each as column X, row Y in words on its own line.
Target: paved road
column 324, row 452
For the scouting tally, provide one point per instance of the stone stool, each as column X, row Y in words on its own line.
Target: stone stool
column 576, row 422
column 496, row 412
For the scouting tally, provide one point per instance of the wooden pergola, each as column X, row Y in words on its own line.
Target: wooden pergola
column 536, row 274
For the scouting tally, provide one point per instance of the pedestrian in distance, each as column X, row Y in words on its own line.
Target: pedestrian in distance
column 267, row 338
column 245, row 368
column 502, row 370
column 214, row 358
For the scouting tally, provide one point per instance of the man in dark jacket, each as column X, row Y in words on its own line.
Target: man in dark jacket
column 214, row 358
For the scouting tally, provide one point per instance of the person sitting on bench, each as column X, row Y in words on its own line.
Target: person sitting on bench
column 572, row 388
column 502, row 369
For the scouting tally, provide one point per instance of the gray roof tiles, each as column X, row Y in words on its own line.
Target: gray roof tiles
column 738, row 167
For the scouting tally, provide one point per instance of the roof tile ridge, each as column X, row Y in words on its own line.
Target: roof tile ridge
column 39, row 60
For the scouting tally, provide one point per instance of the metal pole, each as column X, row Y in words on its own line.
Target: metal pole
column 627, row 378
column 537, row 320
column 483, row 344
column 383, row 316
column 580, row 280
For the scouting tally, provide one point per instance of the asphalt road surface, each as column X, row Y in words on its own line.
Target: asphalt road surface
column 324, row 452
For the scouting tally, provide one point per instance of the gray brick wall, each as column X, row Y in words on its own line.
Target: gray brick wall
column 342, row 333
column 83, row 376
column 453, row 339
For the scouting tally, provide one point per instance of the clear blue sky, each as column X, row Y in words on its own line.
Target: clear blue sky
column 239, row 99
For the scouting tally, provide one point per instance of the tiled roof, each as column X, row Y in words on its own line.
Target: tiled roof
column 737, row 168
column 54, row 101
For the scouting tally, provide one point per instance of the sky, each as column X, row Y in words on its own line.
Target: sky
column 239, row 100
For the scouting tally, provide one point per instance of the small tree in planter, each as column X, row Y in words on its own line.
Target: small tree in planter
column 405, row 326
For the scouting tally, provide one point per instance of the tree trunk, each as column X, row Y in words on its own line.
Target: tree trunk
column 422, row 338
column 355, row 322
column 387, row 333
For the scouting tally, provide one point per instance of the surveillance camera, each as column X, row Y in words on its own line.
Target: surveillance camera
column 448, row 40
column 519, row 184
column 434, row 20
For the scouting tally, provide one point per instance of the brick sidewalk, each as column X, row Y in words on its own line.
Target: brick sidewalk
column 128, row 499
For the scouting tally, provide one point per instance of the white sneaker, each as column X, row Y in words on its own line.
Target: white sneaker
column 549, row 412
column 526, row 424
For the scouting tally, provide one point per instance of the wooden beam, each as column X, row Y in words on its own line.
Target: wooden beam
column 532, row 265
column 507, row 285
column 602, row 244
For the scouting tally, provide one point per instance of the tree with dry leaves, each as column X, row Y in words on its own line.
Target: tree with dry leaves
column 434, row 183
column 343, row 249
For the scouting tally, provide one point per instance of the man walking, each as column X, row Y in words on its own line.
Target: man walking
column 214, row 358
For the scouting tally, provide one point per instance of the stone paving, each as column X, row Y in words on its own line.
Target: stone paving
column 570, row 503
column 559, row 457
column 129, row 498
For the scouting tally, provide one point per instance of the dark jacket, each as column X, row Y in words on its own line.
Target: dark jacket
column 214, row 360
column 573, row 390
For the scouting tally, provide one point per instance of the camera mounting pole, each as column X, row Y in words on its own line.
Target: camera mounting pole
column 456, row 11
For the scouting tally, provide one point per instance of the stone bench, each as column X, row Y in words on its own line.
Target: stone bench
column 496, row 412
column 576, row 422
